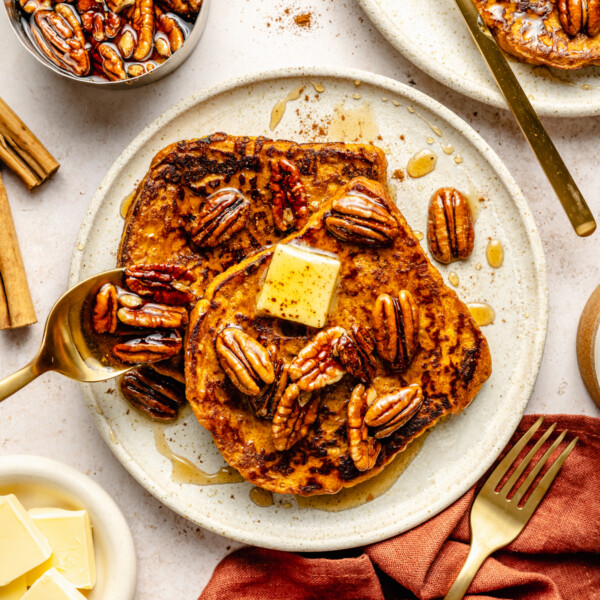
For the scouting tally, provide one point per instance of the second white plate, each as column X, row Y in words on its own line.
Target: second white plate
column 433, row 35
column 348, row 105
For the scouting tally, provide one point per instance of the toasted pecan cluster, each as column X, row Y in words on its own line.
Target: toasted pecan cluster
column 112, row 39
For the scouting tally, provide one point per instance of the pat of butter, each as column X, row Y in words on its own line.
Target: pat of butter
column 53, row 586
column 14, row 590
column 299, row 286
column 70, row 536
column 22, row 544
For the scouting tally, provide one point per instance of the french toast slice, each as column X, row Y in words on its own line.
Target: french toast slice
column 451, row 363
column 531, row 31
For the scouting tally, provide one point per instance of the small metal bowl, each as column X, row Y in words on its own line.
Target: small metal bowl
column 174, row 61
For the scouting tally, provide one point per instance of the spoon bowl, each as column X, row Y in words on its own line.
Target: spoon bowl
column 68, row 345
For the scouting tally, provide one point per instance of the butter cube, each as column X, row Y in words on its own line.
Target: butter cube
column 22, row 545
column 299, row 286
column 70, row 536
column 14, row 590
column 53, row 586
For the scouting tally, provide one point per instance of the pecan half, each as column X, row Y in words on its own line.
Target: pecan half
column 59, row 35
column 391, row 411
column 154, row 316
column 359, row 219
column 143, row 23
column 152, row 348
column 156, row 396
column 450, row 230
column 30, row 6
column 265, row 405
column 128, row 299
column 593, row 18
column 246, row 362
column 126, row 45
column 571, row 15
column 112, row 63
column 355, row 350
column 170, row 37
column 97, row 21
column 363, row 448
column 293, row 418
column 165, row 284
column 104, row 313
column 118, row 5
column 290, row 202
column 396, row 326
column 316, row 364
column 185, row 8
column 223, row 215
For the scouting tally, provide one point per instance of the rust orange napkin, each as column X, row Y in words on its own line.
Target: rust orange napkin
column 556, row 557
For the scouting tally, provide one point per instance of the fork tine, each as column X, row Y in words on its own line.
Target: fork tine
column 494, row 479
column 544, row 485
column 522, row 489
column 525, row 462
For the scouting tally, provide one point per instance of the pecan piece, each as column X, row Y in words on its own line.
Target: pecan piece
column 143, row 23
column 154, row 316
column 170, row 37
column 152, row 348
column 293, row 418
column 359, row 219
column 363, row 448
column 264, row 405
column 391, row 411
column 223, row 215
column 572, row 15
column 593, row 18
column 355, row 350
column 30, row 6
column 59, row 35
column 104, row 314
column 246, row 361
column 165, row 284
column 290, row 202
column 117, row 6
column 317, row 364
column 155, row 395
column 185, row 8
column 396, row 327
column 128, row 299
column 450, row 230
column 112, row 63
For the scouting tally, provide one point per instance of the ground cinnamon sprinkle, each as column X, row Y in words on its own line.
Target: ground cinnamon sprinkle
column 303, row 20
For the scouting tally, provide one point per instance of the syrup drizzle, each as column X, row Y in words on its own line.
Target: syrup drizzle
column 495, row 254
column 422, row 163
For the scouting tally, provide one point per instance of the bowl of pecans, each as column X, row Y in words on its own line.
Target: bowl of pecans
column 114, row 43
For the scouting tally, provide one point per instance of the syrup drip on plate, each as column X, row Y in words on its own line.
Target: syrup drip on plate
column 495, row 254
column 483, row 313
column 260, row 497
column 453, row 279
column 422, row 163
column 185, row 471
column 126, row 204
column 279, row 108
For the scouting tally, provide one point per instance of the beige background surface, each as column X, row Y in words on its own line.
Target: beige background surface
column 86, row 129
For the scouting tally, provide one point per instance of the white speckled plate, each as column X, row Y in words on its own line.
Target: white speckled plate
column 402, row 121
column 433, row 35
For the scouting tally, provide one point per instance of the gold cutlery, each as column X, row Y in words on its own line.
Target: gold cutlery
column 497, row 520
column 66, row 346
column 556, row 171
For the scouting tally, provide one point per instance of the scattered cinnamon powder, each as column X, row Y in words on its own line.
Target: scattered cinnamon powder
column 303, row 20
column 398, row 174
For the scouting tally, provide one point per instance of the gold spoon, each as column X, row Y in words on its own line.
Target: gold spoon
column 65, row 347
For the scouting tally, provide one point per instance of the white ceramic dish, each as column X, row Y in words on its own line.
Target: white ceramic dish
column 40, row 482
column 432, row 35
column 402, row 121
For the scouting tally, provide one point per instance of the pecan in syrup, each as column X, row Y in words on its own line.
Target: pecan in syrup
column 154, row 316
column 293, row 418
column 246, row 361
column 359, row 219
column 112, row 63
column 580, row 16
column 391, row 411
column 184, row 8
column 156, row 396
column 355, row 349
column 165, row 284
column 396, row 326
column 98, row 22
column 117, row 6
column 363, row 448
column 317, row 364
column 104, row 313
column 290, row 202
column 223, row 215
column 152, row 348
column 450, row 230
column 129, row 300
column 60, row 37
column 30, row 6
column 170, row 37
column 143, row 23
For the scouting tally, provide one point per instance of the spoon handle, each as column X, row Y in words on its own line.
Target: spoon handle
column 11, row 384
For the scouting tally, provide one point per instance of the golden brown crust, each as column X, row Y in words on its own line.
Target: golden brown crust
column 531, row 31
column 451, row 365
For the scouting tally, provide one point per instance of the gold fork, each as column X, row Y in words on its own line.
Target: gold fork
column 495, row 520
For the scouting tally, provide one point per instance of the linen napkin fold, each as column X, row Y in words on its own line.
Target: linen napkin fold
column 556, row 557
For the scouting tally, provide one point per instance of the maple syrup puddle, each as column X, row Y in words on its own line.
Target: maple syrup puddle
column 353, row 124
column 483, row 313
column 126, row 204
column 185, row 471
column 495, row 254
column 422, row 163
column 279, row 108
column 261, row 497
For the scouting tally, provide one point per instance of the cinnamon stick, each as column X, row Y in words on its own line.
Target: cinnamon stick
column 12, row 272
column 21, row 151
